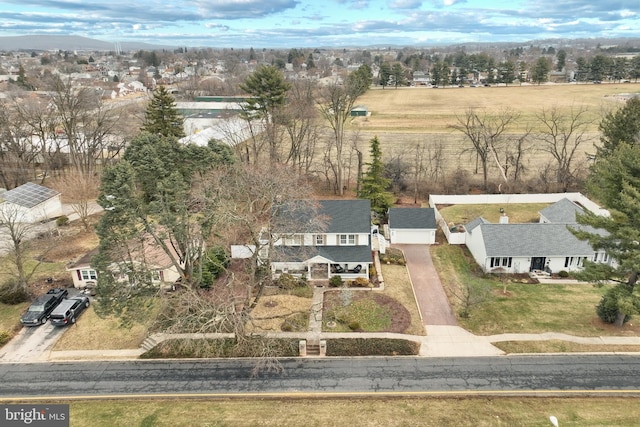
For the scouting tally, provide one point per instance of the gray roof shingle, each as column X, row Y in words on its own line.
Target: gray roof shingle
column 336, row 254
column 346, row 216
column 410, row 218
column 533, row 239
column 563, row 212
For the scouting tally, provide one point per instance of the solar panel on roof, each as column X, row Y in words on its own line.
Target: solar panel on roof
column 29, row 195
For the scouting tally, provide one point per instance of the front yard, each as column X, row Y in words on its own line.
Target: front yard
column 524, row 308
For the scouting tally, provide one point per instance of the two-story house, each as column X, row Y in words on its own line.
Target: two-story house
column 342, row 246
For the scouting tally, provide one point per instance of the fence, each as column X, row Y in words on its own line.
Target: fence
column 455, row 237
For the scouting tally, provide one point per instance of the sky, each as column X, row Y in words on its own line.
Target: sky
column 321, row 23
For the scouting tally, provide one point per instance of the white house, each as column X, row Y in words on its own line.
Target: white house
column 31, row 203
column 521, row 248
column 412, row 226
column 342, row 247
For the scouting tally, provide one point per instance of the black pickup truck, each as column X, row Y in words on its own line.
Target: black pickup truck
column 39, row 311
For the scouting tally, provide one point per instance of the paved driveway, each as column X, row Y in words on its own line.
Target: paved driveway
column 432, row 301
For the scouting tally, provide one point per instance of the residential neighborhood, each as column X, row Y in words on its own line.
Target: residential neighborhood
column 268, row 205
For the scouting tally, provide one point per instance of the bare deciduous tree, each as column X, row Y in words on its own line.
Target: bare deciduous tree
column 336, row 103
column 485, row 133
column 564, row 131
column 18, row 233
column 79, row 190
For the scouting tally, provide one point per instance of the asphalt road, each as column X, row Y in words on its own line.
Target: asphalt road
column 568, row 374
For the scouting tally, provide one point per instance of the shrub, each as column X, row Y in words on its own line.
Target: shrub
column 354, row 326
column 216, row 261
column 608, row 307
column 371, row 347
column 61, row 221
column 12, row 294
column 336, row 281
column 287, row 281
column 360, row 282
column 373, row 273
column 563, row 274
column 4, row 338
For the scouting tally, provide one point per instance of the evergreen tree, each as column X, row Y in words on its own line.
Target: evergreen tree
column 385, row 74
column 162, row 117
column 268, row 94
column 622, row 125
column 541, row 70
column 615, row 182
column 374, row 185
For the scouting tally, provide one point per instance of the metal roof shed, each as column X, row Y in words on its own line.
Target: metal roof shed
column 31, row 203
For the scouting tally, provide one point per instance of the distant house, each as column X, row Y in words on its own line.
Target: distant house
column 547, row 245
column 412, row 226
column 81, row 272
column 31, row 203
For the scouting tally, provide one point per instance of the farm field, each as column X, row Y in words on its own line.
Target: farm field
column 404, row 117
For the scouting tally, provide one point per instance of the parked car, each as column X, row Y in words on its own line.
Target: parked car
column 39, row 311
column 69, row 310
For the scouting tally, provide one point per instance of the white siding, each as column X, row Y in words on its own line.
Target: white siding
column 412, row 236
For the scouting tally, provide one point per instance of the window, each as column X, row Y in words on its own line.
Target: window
column 88, row 275
column 319, row 239
column 294, row 240
column 347, row 239
column 501, row 262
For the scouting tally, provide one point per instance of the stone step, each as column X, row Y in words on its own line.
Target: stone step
column 148, row 343
column 313, row 350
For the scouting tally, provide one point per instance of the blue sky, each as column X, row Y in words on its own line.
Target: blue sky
column 315, row 23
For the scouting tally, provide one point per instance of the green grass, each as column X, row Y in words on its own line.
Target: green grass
column 388, row 412
column 365, row 313
column 517, row 212
column 526, row 308
column 558, row 346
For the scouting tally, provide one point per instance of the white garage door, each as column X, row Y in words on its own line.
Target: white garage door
column 405, row 236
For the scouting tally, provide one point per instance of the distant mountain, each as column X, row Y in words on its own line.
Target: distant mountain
column 49, row 42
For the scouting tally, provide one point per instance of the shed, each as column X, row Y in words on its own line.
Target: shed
column 359, row 111
column 412, row 226
column 31, row 203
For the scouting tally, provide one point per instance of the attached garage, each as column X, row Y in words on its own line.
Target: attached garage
column 412, row 226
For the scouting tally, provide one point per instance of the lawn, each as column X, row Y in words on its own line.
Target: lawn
column 94, row 333
column 558, row 346
column 518, row 213
column 372, row 412
column 526, row 308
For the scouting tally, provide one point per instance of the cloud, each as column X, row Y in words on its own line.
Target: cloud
column 405, row 4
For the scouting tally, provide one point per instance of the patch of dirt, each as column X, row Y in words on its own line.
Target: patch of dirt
column 631, row 328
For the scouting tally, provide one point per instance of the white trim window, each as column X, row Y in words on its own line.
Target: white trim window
column 347, row 239
column 501, row 262
column 87, row 274
column 319, row 240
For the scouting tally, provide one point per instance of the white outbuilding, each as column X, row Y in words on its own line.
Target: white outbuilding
column 412, row 226
column 31, row 203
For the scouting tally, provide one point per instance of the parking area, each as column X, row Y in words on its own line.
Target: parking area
column 33, row 343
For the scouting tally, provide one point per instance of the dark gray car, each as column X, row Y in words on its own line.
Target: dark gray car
column 68, row 310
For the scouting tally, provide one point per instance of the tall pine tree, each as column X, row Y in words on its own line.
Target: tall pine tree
column 162, row 117
column 373, row 184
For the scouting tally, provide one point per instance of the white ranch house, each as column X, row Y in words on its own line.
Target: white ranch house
column 547, row 245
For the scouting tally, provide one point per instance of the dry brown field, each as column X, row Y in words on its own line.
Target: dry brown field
column 404, row 117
